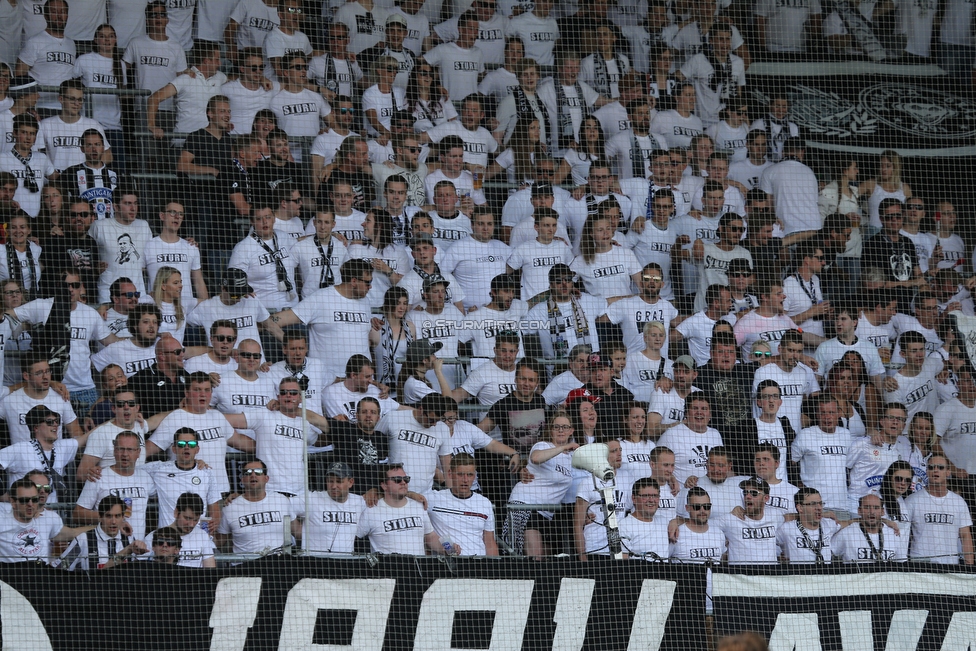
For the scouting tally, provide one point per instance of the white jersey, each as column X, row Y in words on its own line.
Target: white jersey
column 259, row 259
column 39, row 167
column 101, row 442
column 418, row 448
column 459, row 68
column 795, row 193
column 337, row 400
column 195, row 547
column 246, row 315
column 794, row 386
column 823, row 458
column 782, row 497
column 395, row 530
column 134, row 490
column 919, row 393
column 830, row 352
column 881, row 335
column 955, row 425
column 633, row 312
column 156, row 63
column 670, row 406
column 474, row 264
column 609, row 274
column 753, row 327
column 677, row 130
column 21, row 458
column 538, row 36
column 748, row 173
column 28, row 541
column 697, row 331
column 330, row 526
column 690, row 449
column 553, row 479
column 180, row 255
column 51, row 60
column 212, row 430
column 535, row 260
column 256, row 527
column 171, row 481
column 853, row 544
column 645, row 540
column 801, row 545
column 724, row 495
column 936, row 522
column 280, row 441
column 235, row 395
column 338, row 327
column 62, row 141
column 698, row 547
column 463, row 521
column 300, row 114
column 774, row 434
column 641, row 374
column 97, row 71
column 14, row 408
column 366, row 28
column 751, row 542
column 126, row 354
column 244, row 104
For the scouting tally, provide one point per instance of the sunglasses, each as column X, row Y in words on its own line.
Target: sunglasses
column 751, row 492
column 347, row 110
column 225, row 339
column 52, row 422
column 248, row 355
column 75, row 285
column 81, row 214
column 165, row 543
column 130, row 294
column 903, row 480
column 254, row 471
column 177, row 352
column 43, row 487
column 298, row 67
column 399, row 480
column 289, row 392
column 27, row 500
column 126, row 403
column 294, row 10
column 698, row 507
column 187, row 444
column 762, row 353
column 654, row 278
column 412, row 150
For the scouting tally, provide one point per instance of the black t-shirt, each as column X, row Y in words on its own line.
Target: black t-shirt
column 362, row 189
column 610, row 409
column 268, row 176
column 898, row 259
column 209, row 152
column 365, row 454
column 69, row 252
column 731, row 401
column 156, row 392
column 521, row 423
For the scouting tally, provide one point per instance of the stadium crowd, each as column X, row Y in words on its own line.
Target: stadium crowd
column 424, row 252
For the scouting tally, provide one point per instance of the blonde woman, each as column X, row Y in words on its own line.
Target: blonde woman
column 167, row 295
column 888, row 185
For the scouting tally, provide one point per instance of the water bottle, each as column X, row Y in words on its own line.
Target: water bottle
column 448, row 545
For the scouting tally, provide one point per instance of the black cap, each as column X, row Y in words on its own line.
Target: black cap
column 39, row 414
column 543, row 189
column 422, row 349
column 503, row 281
column 340, row 470
column 235, row 282
column 597, row 360
column 755, row 482
column 560, row 270
column 24, row 85
column 737, row 265
column 435, row 279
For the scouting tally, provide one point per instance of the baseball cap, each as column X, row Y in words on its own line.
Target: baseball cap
column 434, row 279
column 561, row 270
column 339, row 469
column 687, row 361
column 503, row 281
column 396, row 19
column 737, row 265
column 422, row 349
column 541, row 190
column 755, row 482
column 23, row 85
column 235, row 280
column 39, row 414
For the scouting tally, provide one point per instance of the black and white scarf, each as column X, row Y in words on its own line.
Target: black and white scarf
column 284, row 283
column 327, row 277
column 861, row 30
column 566, row 133
column 722, row 79
column 531, row 109
column 16, row 271
column 602, row 82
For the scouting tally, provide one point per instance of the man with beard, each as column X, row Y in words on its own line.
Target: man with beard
column 136, row 352
column 632, row 312
column 360, row 447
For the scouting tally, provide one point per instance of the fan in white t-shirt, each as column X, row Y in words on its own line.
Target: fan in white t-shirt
column 821, row 452
column 398, row 525
column 691, row 440
column 941, row 521
column 751, row 538
column 795, row 380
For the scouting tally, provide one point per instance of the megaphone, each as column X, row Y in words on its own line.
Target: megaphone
column 593, row 459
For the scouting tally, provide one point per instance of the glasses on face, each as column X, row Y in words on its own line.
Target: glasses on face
column 399, row 480
column 902, row 480
column 544, row 172
column 27, row 500
column 897, row 418
column 698, row 507
column 165, row 543
column 126, row 403
column 412, row 150
column 187, row 444
column 13, row 292
column 225, row 339
column 812, row 504
column 289, row 392
column 176, row 213
column 751, row 492
column 655, row 279
column 43, row 487
column 298, row 66
column 294, row 10
column 177, row 352
column 347, row 110
column 253, row 471
column 130, row 294
column 243, row 355
column 52, row 422
column 762, row 353
column 561, row 428
column 75, row 285
column 81, row 214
